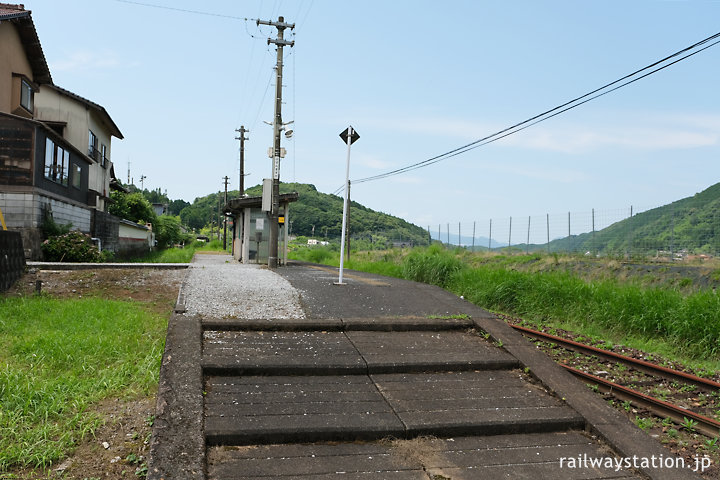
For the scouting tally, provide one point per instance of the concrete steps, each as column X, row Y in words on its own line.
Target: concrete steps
column 270, row 386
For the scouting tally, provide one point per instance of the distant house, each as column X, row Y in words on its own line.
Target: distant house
column 160, row 208
column 54, row 144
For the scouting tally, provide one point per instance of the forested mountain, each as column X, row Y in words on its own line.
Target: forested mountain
column 315, row 214
column 691, row 224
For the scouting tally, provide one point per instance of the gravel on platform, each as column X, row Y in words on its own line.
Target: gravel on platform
column 217, row 286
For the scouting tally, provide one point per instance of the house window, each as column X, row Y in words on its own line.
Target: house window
column 77, row 176
column 103, row 155
column 57, row 162
column 93, row 146
column 26, row 95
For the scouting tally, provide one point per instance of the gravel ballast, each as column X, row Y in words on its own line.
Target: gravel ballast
column 217, row 286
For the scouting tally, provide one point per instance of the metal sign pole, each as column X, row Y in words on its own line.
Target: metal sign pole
column 349, row 136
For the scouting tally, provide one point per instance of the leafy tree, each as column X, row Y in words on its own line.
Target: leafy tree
column 176, row 206
column 132, row 206
column 194, row 217
column 167, row 231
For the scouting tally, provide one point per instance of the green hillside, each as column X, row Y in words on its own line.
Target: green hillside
column 691, row 224
column 317, row 209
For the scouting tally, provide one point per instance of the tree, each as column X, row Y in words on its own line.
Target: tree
column 194, row 217
column 132, row 206
column 176, row 206
column 167, row 231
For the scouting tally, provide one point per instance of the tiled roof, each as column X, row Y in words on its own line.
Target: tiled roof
column 9, row 10
column 28, row 35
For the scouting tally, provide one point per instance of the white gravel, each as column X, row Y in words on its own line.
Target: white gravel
column 217, row 286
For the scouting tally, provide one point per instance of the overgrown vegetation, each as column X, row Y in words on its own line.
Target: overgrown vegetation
column 688, row 322
column 73, row 246
column 57, row 357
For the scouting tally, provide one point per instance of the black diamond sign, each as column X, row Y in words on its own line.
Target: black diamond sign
column 344, row 135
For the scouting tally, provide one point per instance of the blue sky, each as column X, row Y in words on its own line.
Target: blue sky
column 416, row 79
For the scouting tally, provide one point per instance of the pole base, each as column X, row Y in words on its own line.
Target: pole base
column 339, row 283
column 272, row 262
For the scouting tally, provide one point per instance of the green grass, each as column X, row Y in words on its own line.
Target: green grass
column 691, row 323
column 682, row 326
column 58, row 358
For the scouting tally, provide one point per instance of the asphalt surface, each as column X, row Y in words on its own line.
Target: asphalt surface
column 379, row 378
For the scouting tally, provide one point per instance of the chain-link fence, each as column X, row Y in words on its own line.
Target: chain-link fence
column 682, row 232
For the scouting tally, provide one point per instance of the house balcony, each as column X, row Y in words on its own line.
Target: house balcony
column 97, row 155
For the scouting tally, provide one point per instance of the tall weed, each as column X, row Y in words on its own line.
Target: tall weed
column 432, row 265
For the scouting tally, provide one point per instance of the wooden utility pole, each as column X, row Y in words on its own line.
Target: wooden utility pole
column 226, row 178
column 242, row 138
column 280, row 42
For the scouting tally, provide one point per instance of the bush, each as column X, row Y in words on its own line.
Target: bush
column 73, row 246
column 167, row 231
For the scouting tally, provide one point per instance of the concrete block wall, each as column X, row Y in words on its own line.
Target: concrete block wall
column 64, row 213
column 21, row 210
column 24, row 210
column 23, row 213
column 106, row 227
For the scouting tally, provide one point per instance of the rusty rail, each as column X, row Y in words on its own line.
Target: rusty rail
column 706, row 426
column 640, row 365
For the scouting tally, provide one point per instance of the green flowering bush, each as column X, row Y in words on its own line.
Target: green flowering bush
column 73, row 246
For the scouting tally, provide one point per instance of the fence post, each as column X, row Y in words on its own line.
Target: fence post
column 510, row 234
column 448, row 234
column 473, row 241
column 594, row 244
column 459, row 237
column 548, row 232
column 571, row 249
column 527, row 245
column 628, row 251
column 672, row 234
column 490, row 236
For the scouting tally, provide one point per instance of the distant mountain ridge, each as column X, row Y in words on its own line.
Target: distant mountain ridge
column 690, row 224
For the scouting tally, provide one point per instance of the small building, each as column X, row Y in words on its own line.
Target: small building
column 251, row 228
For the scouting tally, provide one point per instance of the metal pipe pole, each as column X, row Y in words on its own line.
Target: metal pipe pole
column 490, row 236
column 473, row 241
column 345, row 205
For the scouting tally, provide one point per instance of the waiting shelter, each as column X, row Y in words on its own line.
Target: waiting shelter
column 251, row 228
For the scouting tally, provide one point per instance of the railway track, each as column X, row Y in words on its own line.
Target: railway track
column 680, row 415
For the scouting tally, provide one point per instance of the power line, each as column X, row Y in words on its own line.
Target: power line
column 574, row 103
column 194, row 12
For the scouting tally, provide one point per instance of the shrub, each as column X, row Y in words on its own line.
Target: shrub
column 167, row 231
column 73, row 246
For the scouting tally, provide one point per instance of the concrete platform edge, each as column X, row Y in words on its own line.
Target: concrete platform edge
column 178, row 441
column 609, row 425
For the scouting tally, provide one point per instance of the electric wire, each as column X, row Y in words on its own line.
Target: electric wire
column 576, row 102
column 194, row 12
